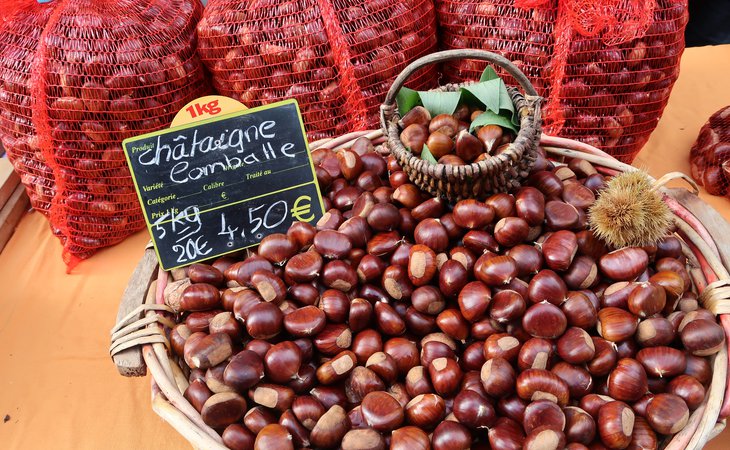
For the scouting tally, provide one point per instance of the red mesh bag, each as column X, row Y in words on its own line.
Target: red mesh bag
column 605, row 67
column 709, row 157
column 337, row 58
column 76, row 78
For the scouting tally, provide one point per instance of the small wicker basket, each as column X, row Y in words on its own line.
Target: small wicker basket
column 498, row 173
column 141, row 330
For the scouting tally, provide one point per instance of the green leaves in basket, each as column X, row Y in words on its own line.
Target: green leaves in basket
column 440, row 102
column 489, row 74
column 407, row 99
column 490, row 118
column 427, row 156
column 489, row 94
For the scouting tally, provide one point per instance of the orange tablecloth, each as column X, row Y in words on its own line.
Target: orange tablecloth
column 58, row 386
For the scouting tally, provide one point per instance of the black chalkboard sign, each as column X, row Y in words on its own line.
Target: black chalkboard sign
column 223, row 184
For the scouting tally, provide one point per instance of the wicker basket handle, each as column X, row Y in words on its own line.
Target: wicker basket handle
column 388, row 108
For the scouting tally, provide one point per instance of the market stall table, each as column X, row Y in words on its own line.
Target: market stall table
column 59, row 388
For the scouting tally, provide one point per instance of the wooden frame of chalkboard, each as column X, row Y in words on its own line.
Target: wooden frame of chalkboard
column 221, row 185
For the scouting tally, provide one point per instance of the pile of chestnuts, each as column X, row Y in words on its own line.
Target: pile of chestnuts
column 709, row 156
column 336, row 58
column 606, row 88
column 399, row 321
column 447, row 136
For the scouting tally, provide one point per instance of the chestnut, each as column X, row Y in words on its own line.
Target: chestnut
column 689, row 389
column 575, row 346
column 495, row 270
column 702, row 337
column 498, row 377
column 544, row 438
column 543, row 413
column 536, row 353
column 544, row 320
column 409, row 438
column 274, row 436
column 538, row 384
column 559, row 249
column 667, row 413
column 615, row 324
column 451, row 435
column 363, row 439
column 381, row 411
column 662, row 361
column 330, row 428
column 425, row 411
column 473, row 410
column 615, row 424
column 627, row 381
column 624, row 264
column 474, row 299
column 580, row 427
column 445, row 375
column 506, row 434
column 223, row 409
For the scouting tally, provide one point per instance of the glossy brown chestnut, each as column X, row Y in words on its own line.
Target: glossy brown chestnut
column 307, row 410
column 689, row 389
column 544, row 320
column 624, row 264
column 363, row 439
column 473, row 410
column 425, row 411
column 575, row 346
column 615, row 324
column 667, row 413
column 543, row 413
column 451, row 435
column 495, row 270
column 409, row 438
column 615, row 424
column 330, row 428
column 702, row 337
column 627, row 381
column 580, row 427
column 654, row 331
column 274, row 436
column 559, row 249
column 544, row 438
column 662, row 361
column 452, row 278
column 547, row 285
column 510, row 231
column 539, row 384
column 381, row 411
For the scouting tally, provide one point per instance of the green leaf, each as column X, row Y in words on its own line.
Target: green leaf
column 490, row 118
column 427, row 156
column 407, row 99
column 487, row 92
column 505, row 101
column 488, row 74
column 440, row 102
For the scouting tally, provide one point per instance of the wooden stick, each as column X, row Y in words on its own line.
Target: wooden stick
column 714, row 401
column 184, row 426
column 170, row 390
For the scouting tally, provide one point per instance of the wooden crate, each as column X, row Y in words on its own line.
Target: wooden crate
column 13, row 201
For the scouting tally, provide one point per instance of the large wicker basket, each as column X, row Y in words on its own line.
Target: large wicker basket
column 498, row 173
column 139, row 339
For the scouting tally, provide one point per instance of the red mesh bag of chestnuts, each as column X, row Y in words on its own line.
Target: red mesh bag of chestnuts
column 606, row 68
column 337, row 58
column 710, row 155
column 76, row 78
